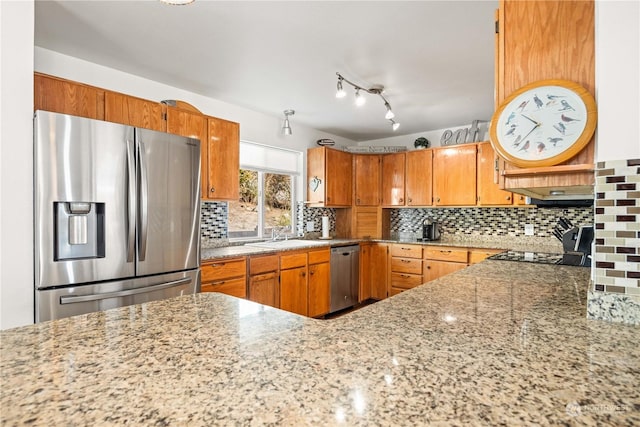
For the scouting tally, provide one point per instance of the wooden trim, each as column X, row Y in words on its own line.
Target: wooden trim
column 551, row 170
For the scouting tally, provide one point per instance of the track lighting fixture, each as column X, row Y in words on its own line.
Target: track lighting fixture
column 286, row 128
column 177, row 2
column 360, row 99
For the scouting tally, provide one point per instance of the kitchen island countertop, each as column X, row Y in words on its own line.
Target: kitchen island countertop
column 497, row 343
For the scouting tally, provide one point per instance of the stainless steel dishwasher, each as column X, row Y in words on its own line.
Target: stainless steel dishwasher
column 345, row 265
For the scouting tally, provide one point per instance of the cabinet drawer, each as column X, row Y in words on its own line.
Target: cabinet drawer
column 293, row 260
column 233, row 287
column 316, row 257
column 477, row 255
column 406, row 251
column 406, row 265
column 395, row 291
column 446, row 254
column 224, row 269
column 405, row 281
column 263, row 264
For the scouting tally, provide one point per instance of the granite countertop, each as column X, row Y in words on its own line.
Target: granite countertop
column 497, row 343
column 477, row 242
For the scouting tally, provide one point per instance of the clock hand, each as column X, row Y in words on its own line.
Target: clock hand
column 530, row 119
column 534, row 128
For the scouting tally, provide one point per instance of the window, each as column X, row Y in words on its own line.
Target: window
column 268, row 188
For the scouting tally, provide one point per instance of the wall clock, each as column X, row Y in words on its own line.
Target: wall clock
column 543, row 123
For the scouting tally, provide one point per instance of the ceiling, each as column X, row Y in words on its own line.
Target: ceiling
column 435, row 58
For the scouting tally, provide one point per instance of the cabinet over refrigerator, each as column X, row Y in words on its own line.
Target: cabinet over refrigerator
column 117, row 215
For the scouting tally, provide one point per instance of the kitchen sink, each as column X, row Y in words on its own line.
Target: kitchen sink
column 287, row 244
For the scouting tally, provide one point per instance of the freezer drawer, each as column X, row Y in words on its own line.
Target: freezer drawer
column 70, row 301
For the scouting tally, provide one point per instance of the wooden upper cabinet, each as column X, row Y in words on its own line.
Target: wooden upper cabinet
column 419, row 178
column 132, row 111
column 489, row 193
column 329, row 177
column 538, row 40
column 367, row 179
column 454, row 175
column 222, row 168
column 393, row 172
column 67, row 97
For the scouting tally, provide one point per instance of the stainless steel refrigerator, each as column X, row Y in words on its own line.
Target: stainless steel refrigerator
column 117, row 215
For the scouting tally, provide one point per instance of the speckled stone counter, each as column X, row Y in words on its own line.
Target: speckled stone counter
column 497, row 343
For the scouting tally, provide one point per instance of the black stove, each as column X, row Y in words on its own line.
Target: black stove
column 534, row 257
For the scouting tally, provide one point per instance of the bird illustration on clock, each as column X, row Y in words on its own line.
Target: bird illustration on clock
column 526, row 131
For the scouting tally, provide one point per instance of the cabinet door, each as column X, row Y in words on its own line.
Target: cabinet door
column 560, row 44
column 435, row 269
column 223, row 163
column 293, row 290
column 454, row 175
column 489, row 193
column 132, row 111
column 367, row 179
column 339, row 177
column 364, row 291
column 378, row 271
column 263, row 289
column 419, row 177
column 393, row 179
column 67, row 97
column 319, row 292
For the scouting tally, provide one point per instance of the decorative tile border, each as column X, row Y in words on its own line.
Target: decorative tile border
column 213, row 220
column 616, row 290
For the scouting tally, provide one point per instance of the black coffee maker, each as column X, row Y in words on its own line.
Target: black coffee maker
column 430, row 230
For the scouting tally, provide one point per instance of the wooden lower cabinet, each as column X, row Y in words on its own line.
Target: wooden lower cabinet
column 373, row 271
column 264, row 280
column 440, row 261
column 477, row 255
column 304, row 282
column 319, row 292
column 293, row 290
column 227, row 276
column 435, row 269
column 405, row 267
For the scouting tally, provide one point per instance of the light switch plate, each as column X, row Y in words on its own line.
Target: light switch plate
column 310, row 226
column 528, row 229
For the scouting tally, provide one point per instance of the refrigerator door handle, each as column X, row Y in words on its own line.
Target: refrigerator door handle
column 131, row 201
column 144, row 200
column 105, row 295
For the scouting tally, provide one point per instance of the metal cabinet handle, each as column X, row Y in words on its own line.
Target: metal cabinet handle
column 445, row 252
column 401, row 200
column 508, row 197
column 406, row 261
column 438, row 199
column 212, row 190
column 410, row 200
column 221, row 264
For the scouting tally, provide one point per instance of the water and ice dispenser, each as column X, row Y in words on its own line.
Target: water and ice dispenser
column 79, row 230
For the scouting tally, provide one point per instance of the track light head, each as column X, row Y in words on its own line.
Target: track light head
column 340, row 93
column 286, row 128
column 394, row 125
column 360, row 100
column 389, row 115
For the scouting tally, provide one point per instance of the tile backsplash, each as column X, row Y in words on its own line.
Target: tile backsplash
column 488, row 221
column 213, row 220
column 615, row 295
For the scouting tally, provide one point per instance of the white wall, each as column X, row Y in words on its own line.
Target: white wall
column 16, row 158
column 433, row 136
column 618, row 80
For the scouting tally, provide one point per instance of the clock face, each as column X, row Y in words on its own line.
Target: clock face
column 543, row 124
